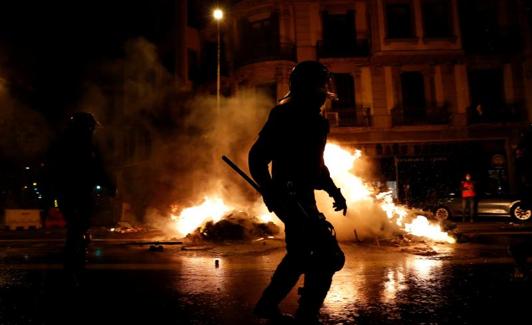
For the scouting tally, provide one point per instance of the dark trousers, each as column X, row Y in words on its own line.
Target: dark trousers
column 306, row 255
column 77, row 210
column 316, row 285
column 468, row 208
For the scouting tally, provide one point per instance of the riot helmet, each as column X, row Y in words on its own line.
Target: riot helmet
column 82, row 121
column 311, row 80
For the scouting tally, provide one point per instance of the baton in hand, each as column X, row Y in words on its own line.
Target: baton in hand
column 253, row 183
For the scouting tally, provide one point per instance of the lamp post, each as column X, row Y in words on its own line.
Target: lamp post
column 218, row 15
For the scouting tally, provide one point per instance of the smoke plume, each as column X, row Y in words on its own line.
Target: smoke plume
column 24, row 133
column 164, row 145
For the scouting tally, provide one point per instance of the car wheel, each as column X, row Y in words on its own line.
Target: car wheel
column 442, row 213
column 520, row 214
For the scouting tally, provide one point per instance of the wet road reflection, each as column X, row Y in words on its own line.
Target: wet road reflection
column 202, row 276
column 377, row 286
column 364, row 283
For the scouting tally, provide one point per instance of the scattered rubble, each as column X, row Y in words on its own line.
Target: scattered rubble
column 125, row 228
column 235, row 226
column 156, row 248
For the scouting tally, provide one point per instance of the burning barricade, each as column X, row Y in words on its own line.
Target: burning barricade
column 215, row 220
column 235, row 226
column 371, row 214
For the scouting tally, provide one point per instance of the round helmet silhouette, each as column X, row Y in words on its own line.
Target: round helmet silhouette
column 82, row 120
column 311, row 77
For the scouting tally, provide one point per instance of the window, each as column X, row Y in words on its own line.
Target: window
column 339, row 37
column 399, row 20
column 480, row 28
column 259, row 38
column 193, row 15
column 338, row 30
column 437, row 19
column 345, row 88
column 413, row 94
column 486, row 86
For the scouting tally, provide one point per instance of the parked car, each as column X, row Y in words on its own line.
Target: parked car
column 488, row 205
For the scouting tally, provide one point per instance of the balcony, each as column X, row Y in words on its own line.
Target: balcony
column 348, row 49
column 349, row 117
column 431, row 115
column 506, row 113
column 492, row 41
column 254, row 53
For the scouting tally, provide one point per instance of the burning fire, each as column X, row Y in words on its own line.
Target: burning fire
column 340, row 163
column 211, row 209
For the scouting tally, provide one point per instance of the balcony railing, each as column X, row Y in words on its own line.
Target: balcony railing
column 506, row 113
column 253, row 53
column 493, row 41
column 347, row 49
column 360, row 117
column 430, row 115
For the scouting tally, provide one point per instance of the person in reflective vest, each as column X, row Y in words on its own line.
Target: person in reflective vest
column 468, row 198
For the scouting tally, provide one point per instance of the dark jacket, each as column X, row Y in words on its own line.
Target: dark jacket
column 293, row 140
column 75, row 167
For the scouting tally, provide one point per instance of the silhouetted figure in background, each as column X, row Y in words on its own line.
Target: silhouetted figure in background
column 468, row 198
column 75, row 169
column 293, row 140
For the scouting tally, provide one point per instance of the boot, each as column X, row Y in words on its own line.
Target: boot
column 272, row 313
column 307, row 320
column 308, row 312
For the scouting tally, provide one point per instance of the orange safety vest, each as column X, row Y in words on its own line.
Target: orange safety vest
column 468, row 189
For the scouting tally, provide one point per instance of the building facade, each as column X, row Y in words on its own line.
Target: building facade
column 429, row 89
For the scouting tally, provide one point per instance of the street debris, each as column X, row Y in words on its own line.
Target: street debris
column 235, row 226
column 156, row 248
column 123, row 227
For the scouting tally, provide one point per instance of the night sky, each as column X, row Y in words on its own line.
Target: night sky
column 47, row 48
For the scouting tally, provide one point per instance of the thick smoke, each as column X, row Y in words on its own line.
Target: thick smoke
column 365, row 218
column 164, row 144
column 24, row 133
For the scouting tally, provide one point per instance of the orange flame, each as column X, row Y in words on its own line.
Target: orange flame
column 211, row 209
column 340, row 162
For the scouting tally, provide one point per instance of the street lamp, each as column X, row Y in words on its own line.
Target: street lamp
column 218, row 15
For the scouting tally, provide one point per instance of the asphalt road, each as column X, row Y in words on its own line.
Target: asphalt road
column 125, row 283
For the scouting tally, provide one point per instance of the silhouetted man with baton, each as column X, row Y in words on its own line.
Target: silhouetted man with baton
column 293, row 140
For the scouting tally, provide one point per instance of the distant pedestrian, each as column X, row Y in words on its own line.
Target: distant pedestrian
column 468, row 198
column 407, row 194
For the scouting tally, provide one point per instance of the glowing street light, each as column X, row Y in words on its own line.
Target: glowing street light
column 218, row 15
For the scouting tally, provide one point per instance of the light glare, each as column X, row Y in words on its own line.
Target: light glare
column 218, row 14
